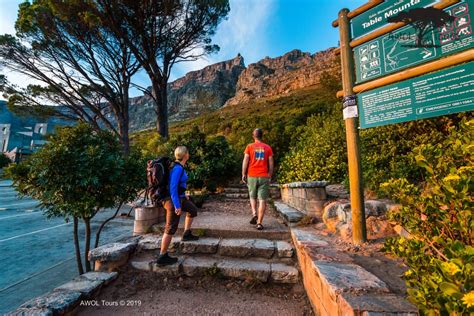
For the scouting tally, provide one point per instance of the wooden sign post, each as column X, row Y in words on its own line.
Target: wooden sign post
column 395, row 71
column 359, row 233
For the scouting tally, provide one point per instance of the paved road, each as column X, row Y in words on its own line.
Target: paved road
column 37, row 252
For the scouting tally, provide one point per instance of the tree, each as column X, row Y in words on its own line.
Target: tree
column 77, row 63
column 76, row 174
column 162, row 33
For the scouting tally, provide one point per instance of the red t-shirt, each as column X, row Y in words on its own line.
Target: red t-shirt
column 259, row 154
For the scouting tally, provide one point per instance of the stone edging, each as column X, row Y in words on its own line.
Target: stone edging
column 335, row 285
column 308, row 184
column 67, row 297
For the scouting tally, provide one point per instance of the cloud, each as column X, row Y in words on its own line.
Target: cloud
column 243, row 32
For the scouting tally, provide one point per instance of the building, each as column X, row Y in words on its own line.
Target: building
column 21, row 136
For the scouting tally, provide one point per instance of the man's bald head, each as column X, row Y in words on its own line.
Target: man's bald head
column 257, row 133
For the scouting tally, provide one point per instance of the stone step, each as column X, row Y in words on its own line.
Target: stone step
column 288, row 213
column 238, row 247
column 243, row 269
column 236, row 190
column 225, row 225
column 236, row 195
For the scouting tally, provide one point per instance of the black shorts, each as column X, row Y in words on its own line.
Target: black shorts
column 172, row 219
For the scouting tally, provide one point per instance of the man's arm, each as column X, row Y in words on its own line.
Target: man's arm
column 271, row 165
column 245, row 164
column 174, row 183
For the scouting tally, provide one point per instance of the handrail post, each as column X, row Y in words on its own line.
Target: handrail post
column 359, row 233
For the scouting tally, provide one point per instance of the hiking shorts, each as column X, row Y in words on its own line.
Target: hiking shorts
column 258, row 187
column 172, row 219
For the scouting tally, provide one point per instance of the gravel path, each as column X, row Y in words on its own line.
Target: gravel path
column 190, row 296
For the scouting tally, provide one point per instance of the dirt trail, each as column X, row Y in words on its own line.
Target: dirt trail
column 191, row 296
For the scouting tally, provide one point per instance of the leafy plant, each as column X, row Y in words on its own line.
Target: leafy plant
column 438, row 216
column 319, row 152
column 76, row 174
column 212, row 161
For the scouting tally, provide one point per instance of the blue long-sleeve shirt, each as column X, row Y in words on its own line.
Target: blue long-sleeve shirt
column 177, row 185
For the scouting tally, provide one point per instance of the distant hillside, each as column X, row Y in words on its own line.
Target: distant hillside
column 279, row 116
column 230, row 83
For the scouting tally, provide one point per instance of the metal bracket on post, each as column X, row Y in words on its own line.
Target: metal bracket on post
column 359, row 233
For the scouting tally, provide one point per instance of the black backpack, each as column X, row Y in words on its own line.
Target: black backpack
column 158, row 171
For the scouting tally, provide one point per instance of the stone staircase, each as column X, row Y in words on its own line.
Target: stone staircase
column 241, row 192
column 229, row 247
column 258, row 259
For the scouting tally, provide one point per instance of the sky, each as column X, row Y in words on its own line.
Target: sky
column 254, row 28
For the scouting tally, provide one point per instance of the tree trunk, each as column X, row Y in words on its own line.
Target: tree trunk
column 123, row 133
column 161, row 96
column 77, row 247
column 97, row 235
column 87, row 222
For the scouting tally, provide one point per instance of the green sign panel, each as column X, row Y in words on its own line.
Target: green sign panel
column 377, row 16
column 439, row 93
column 399, row 50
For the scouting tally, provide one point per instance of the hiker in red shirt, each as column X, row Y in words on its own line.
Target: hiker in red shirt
column 257, row 170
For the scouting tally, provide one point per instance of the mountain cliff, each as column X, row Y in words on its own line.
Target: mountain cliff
column 280, row 75
column 196, row 93
column 230, row 82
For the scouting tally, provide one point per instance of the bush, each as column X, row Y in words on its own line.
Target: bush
column 76, row 174
column 212, row 161
column 387, row 151
column 319, row 152
column 438, row 216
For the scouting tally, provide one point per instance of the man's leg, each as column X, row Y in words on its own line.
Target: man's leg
column 253, row 204
column 165, row 243
column 263, row 194
column 262, row 205
column 252, row 185
column 172, row 221
column 188, row 222
column 191, row 212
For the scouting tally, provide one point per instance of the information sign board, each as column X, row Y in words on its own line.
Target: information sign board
column 439, row 93
column 399, row 50
column 377, row 17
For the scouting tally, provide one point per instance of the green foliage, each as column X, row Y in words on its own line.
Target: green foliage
column 4, row 161
column 281, row 119
column 319, row 152
column 211, row 162
column 438, row 216
column 387, row 151
column 78, row 172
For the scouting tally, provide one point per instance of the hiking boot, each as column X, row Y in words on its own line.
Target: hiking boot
column 254, row 219
column 188, row 236
column 165, row 260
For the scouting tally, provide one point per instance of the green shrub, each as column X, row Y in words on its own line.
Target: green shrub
column 438, row 216
column 212, row 161
column 320, row 151
column 387, row 151
column 78, row 173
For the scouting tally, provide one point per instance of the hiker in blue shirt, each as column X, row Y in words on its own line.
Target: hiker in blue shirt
column 174, row 205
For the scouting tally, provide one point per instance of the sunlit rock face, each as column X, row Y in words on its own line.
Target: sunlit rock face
column 230, row 82
column 196, row 93
column 280, row 75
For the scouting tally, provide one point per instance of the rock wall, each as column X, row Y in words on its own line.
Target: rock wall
column 230, row 82
column 280, row 75
column 196, row 93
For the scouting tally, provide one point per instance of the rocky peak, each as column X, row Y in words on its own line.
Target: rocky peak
column 197, row 92
column 280, row 75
